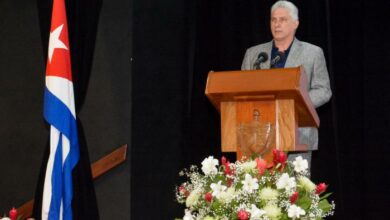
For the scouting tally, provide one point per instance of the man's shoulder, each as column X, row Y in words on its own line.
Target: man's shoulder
column 309, row 47
column 260, row 47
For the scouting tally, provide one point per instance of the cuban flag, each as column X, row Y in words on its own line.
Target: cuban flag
column 59, row 112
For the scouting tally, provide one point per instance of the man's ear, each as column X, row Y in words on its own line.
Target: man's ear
column 296, row 24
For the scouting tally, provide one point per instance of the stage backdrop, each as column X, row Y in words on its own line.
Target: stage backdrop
column 105, row 110
column 177, row 42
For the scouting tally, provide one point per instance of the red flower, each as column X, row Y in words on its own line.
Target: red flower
column 279, row 157
column 261, row 165
column 183, row 191
column 229, row 182
column 223, row 160
column 242, row 215
column 294, row 197
column 226, row 164
column 321, row 188
column 13, row 214
column 282, row 157
column 208, row 196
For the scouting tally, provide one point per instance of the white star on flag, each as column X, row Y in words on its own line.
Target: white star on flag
column 55, row 42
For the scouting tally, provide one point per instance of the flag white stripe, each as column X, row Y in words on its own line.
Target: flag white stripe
column 47, row 188
column 63, row 89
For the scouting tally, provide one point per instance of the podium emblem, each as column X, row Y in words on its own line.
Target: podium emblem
column 255, row 137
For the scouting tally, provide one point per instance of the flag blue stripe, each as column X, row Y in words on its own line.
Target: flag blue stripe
column 58, row 115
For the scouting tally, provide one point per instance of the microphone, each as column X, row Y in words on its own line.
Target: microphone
column 276, row 59
column 260, row 59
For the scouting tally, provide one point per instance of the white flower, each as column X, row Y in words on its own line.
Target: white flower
column 248, row 166
column 249, row 184
column 193, row 198
column 188, row 215
column 227, row 196
column 5, row 218
column 295, row 212
column 209, row 165
column 272, row 211
column 307, row 184
column 217, row 189
column 268, row 194
column 256, row 213
column 285, row 182
column 300, row 165
column 261, row 196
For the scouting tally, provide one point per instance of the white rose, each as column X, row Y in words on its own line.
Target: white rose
column 272, row 211
column 285, row 182
column 193, row 198
column 249, row 183
column 209, row 218
column 209, row 165
column 295, row 212
column 227, row 196
column 188, row 215
column 248, row 166
column 307, row 184
column 268, row 194
column 300, row 165
column 217, row 188
column 256, row 213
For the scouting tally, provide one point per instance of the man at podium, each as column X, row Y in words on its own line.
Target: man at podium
column 287, row 51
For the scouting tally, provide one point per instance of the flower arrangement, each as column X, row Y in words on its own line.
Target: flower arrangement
column 13, row 215
column 252, row 190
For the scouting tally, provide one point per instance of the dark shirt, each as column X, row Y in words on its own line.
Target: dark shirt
column 283, row 55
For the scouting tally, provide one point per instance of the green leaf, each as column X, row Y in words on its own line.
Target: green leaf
column 254, row 156
column 324, row 205
column 284, row 216
column 304, row 201
column 215, row 205
column 325, row 196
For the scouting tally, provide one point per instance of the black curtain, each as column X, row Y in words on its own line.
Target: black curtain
column 174, row 125
column 82, row 23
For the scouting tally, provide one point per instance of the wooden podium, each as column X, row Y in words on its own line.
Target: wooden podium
column 279, row 94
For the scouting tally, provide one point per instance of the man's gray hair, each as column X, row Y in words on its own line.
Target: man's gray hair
column 291, row 8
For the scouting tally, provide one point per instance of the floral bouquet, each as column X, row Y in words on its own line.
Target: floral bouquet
column 13, row 215
column 253, row 190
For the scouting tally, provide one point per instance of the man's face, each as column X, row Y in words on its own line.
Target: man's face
column 282, row 25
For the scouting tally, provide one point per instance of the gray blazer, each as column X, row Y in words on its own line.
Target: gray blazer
column 313, row 60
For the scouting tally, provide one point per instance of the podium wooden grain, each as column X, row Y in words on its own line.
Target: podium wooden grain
column 280, row 95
